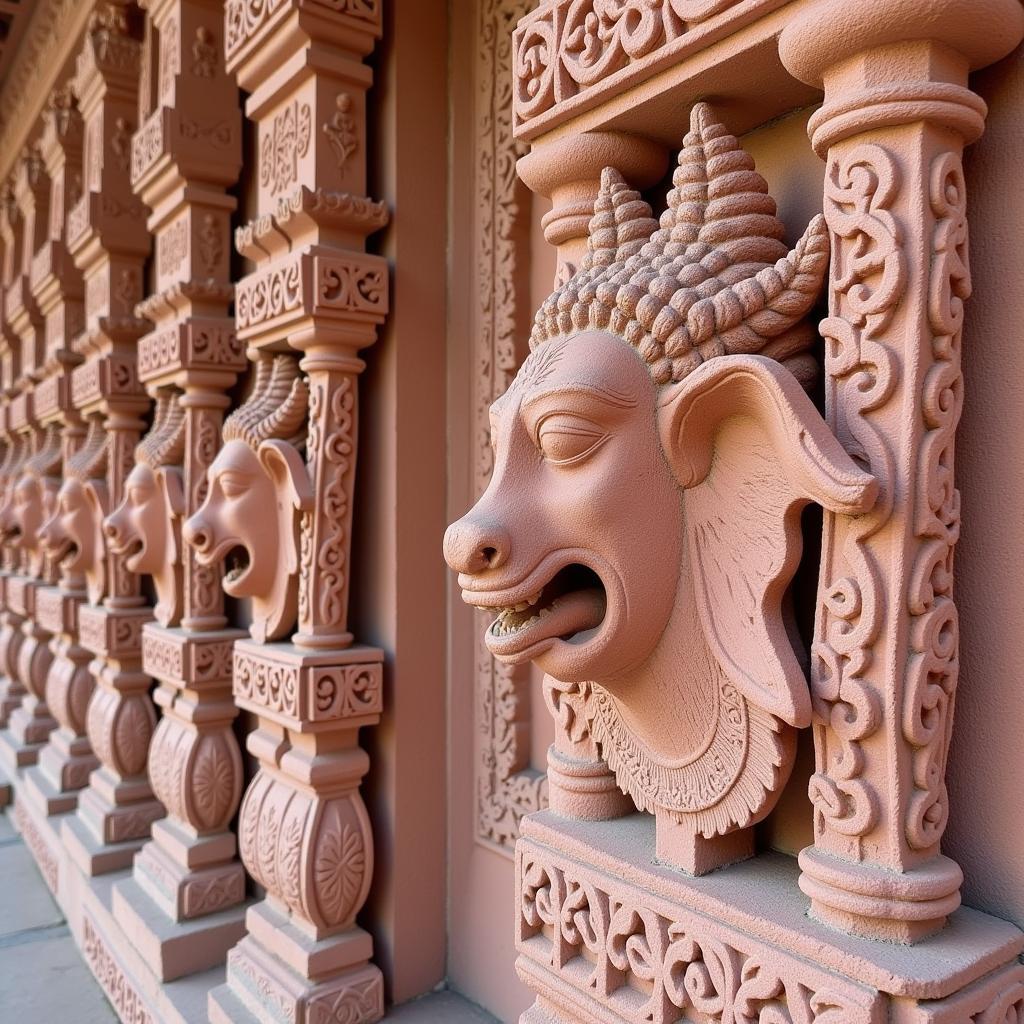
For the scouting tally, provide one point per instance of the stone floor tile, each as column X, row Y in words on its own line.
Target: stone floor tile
column 440, row 1008
column 25, row 902
column 45, row 980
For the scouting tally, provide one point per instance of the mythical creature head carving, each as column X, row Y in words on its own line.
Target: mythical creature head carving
column 651, row 460
column 146, row 526
column 73, row 534
column 32, row 499
column 258, row 486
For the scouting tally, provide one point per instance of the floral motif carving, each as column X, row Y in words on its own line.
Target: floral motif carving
column 172, row 246
column 244, row 19
column 354, row 284
column 868, row 281
column 583, row 48
column 283, row 145
column 339, row 871
column 507, row 789
column 341, row 130
column 44, row 858
column 127, row 1002
column 355, row 1002
column 206, row 895
column 214, row 782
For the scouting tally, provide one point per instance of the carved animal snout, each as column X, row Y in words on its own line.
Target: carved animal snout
column 475, row 543
column 198, row 533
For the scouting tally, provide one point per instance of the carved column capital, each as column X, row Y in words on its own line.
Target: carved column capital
column 884, row 64
column 568, row 171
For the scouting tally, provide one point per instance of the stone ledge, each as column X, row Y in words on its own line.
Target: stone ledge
column 755, row 904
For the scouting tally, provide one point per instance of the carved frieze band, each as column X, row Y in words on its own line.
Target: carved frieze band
column 308, row 693
column 353, row 284
column 570, row 55
column 186, row 657
column 609, row 947
column 126, row 1001
column 507, row 788
column 110, row 634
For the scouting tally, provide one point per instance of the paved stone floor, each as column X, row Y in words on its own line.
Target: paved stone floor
column 43, row 979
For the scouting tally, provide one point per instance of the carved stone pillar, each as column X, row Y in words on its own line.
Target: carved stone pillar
column 12, row 690
column 182, row 906
column 65, row 763
column 305, row 834
column 896, row 117
column 108, row 241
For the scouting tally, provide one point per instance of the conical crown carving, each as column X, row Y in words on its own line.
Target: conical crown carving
column 713, row 278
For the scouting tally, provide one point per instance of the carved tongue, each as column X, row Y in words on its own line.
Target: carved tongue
column 575, row 612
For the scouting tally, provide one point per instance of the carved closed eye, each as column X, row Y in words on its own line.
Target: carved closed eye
column 233, row 486
column 565, row 439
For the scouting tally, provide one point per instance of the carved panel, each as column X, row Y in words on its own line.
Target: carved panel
column 569, row 55
column 126, row 1001
column 506, row 788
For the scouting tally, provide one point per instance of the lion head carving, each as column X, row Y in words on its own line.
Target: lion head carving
column 146, row 526
column 258, row 487
column 651, row 460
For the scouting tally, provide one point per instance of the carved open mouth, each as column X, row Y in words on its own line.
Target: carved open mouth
column 132, row 551
column 61, row 551
column 571, row 606
column 236, row 564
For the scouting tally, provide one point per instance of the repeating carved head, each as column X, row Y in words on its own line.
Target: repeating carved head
column 651, row 460
column 146, row 526
column 33, row 498
column 258, row 486
column 73, row 534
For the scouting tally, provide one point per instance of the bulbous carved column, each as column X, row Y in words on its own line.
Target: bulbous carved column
column 897, row 114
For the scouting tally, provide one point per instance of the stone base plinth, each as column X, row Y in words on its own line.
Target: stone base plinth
column 65, row 764
column 589, row 892
column 174, row 949
column 27, row 731
column 269, row 976
column 42, row 837
column 93, row 855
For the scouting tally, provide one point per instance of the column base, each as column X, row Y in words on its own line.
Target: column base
column 187, row 877
column 584, row 790
column 174, row 949
column 64, row 767
column 100, row 839
column 26, row 734
column 263, row 986
column 10, row 700
column 869, row 901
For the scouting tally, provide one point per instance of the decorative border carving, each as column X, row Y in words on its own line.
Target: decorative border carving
column 506, row 787
column 570, row 55
column 311, row 693
column 127, row 1002
column 615, row 948
column 45, row 860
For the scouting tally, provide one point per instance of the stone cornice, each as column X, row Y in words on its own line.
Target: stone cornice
column 49, row 43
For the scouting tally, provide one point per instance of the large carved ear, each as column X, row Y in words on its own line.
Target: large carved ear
column 286, row 469
column 750, row 450
column 97, row 499
column 172, row 486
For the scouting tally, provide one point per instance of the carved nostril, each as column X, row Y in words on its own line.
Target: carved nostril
column 474, row 544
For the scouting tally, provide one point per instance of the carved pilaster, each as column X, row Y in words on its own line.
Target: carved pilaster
column 183, row 904
column 107, row 238
column 897, row 114
column 314, row 291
